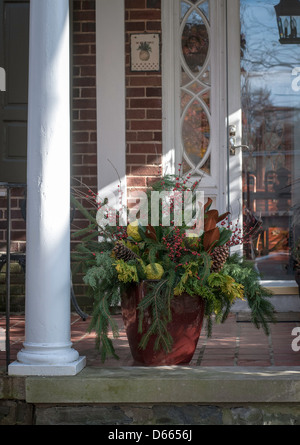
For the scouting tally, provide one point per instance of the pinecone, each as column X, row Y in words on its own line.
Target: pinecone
column 219, row 257
column 123, row 252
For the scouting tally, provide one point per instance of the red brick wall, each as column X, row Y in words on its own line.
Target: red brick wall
column 143, row 100
column 18, row 225
column 84, row 124
column 84, row 136
column 143, row 111
column 143, row 97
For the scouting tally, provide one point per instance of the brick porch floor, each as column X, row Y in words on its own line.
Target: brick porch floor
column 235, row 343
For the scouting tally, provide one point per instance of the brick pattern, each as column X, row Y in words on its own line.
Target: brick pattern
column 235, row 343
column 84, row 124
column 17, row 245
column 143, row 101
column 18, row 225
column 84, row 127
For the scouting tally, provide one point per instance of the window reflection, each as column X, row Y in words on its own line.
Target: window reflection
column 194, row 44
column 195, row 87
column 271, row 122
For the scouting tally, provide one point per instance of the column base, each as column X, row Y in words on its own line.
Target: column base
column 68, row 369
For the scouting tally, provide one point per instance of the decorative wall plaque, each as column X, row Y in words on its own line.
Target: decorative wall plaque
column 145, row 52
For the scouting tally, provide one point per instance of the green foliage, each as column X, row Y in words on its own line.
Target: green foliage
column 187, row 269
column 225, row 236
column 257, row 296
column 157, row 301
column 226, row 285
column 129, row 271
column 102, row 278
column 296, row 255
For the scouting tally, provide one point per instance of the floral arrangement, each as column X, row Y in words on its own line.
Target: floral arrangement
column 114, row 257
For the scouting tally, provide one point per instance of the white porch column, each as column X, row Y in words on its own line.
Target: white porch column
column 47, row 349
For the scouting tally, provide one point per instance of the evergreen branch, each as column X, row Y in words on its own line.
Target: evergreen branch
column 262, row 310
column 83, row 210
column 87, row 230
column 154, row 301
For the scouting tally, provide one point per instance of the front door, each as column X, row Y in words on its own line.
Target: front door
column 231, row 119
column 194, row 93
column 14, row 49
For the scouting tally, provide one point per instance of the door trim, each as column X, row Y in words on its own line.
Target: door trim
column 216, row 186
column 111, row 124
column 170, row 13
column 234, row 109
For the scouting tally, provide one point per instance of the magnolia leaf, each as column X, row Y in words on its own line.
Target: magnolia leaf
column 211, row 219
column 150, row 232
column 225, row 236
column 208, row 204
column 210, row 238
column 223, row 216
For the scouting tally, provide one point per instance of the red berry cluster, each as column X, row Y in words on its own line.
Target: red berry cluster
column 239, row 235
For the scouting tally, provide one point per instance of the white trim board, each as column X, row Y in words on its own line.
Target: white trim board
column 111, row 94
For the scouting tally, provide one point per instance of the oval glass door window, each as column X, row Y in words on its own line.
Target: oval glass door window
column 195, row 41
column 195, row 133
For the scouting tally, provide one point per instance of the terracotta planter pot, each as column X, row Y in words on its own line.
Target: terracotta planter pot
column 185, row 328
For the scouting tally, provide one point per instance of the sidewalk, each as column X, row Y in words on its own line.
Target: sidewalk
column 235, row 343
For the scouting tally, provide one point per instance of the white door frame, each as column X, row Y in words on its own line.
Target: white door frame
column 222, row 60
column 234, row 110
